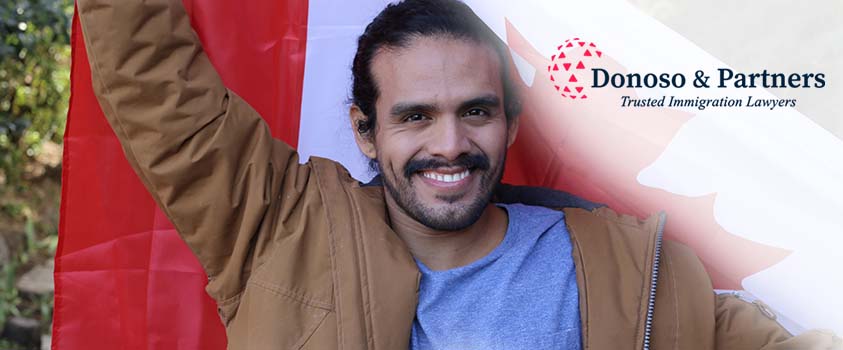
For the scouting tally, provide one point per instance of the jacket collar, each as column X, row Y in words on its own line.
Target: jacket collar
column 616, row 262
column 391, row 273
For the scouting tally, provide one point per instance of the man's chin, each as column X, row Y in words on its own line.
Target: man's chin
column 442, row 207
column 445, row 200
column 450, row 213
column 455, row 220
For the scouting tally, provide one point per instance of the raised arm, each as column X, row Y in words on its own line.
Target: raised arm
column 205, row 155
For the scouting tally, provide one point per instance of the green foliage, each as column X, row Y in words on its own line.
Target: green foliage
column 12, row 302
column 34, row 93
column 34, row 79
column 9, row 296
column 5, row 344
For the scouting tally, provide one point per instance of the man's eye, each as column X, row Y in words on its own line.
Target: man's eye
column 415, row 117
column 476, row 112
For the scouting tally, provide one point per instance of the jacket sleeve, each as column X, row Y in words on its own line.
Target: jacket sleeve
column 204, row 154
column 744, row 325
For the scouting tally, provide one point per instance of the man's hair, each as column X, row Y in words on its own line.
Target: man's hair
column 398, row 24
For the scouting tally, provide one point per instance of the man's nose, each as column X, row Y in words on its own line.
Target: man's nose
column 449, row 139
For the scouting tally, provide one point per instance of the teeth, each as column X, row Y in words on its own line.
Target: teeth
column 446, row 177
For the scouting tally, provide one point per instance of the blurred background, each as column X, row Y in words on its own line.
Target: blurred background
column 34, row 92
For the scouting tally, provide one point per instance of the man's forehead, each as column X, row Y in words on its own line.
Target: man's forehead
column 431, row 68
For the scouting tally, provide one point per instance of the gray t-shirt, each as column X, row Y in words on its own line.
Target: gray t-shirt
column 522, row 295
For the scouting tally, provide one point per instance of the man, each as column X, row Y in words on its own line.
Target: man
column 303, row 256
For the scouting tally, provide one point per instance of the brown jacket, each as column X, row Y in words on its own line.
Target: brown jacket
column 302, row 256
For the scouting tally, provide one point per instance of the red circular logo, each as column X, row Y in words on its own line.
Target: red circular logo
column 569, row 67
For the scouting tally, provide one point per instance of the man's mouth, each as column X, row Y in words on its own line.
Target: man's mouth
column 441, row 171
column 446, row 176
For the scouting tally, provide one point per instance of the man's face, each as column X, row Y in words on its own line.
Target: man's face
column 441, row 134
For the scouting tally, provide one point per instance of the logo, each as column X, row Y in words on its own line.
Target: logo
column 569, row 68
column 575, row 68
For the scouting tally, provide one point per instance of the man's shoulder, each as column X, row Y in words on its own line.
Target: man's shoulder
column 602, row 228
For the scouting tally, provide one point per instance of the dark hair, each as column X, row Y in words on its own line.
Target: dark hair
column 401, row 22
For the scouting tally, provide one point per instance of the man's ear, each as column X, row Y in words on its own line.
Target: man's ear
column 365, row 138
column 512, row 130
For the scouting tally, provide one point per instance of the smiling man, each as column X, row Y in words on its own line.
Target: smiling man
column 446, row 119
column 441, row 255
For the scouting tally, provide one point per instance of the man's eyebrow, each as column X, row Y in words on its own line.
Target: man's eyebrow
column 490, row 100
column 401, row 109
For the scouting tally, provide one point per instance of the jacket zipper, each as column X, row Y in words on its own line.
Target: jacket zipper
column 654, row 278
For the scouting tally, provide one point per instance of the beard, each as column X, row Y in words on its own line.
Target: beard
column 452, row 217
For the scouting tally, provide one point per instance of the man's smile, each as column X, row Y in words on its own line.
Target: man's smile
column 450, row 179
column 447, row 175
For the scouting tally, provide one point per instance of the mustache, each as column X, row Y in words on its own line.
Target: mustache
column 468, row 161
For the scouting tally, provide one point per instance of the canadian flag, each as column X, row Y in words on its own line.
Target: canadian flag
column 756, row 192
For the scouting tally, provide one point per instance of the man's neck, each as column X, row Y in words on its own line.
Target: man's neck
column 442, row 250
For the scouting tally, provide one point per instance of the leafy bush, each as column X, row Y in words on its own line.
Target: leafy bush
column 34, row 79
column 34, row 93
